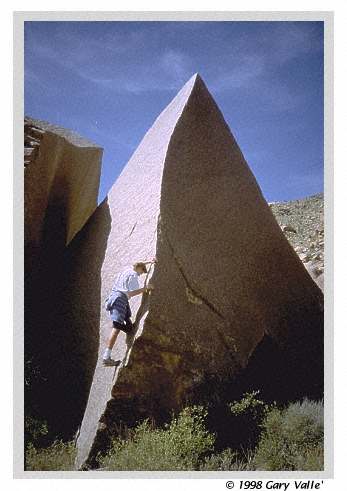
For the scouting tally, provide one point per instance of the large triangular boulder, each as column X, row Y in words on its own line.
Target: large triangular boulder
column 226, row 279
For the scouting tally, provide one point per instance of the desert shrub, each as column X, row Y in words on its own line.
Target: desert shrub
column 180, row 445
column 222, row 461
column 249, row 406
column 292, row 438
column 57, row 457
column 313, row 459
column 35, row 430
column 228, row 460
column 247, row 415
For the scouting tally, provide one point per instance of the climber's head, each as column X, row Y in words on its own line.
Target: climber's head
column 140, row 268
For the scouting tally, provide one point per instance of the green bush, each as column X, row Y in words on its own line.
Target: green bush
column 180, row 445
column 313, row 459
column 222, row 461
column 249, row 405
column 247, row 414
column 292, row 438
column 57, row 457
column 228, row 460
column 34, row 431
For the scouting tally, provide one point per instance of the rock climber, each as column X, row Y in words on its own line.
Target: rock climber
column 125, row 287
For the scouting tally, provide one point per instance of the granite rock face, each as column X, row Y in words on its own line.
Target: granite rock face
column 227, row 282
column 62, row 171
column 61, row 182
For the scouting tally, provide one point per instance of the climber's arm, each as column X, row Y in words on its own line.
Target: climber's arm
column 150, row 261
column 133, row 293
column 145, row 289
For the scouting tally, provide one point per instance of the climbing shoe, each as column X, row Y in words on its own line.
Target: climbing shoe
column 109, row 362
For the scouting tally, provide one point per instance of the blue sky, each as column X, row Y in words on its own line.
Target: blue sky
column 110, row 80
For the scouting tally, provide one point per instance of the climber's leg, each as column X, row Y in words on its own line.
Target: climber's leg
column 112, row 337
column 107, row 360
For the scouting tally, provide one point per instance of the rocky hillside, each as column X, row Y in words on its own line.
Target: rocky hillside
column 302, row 222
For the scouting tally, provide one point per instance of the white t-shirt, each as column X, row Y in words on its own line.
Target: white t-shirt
column 126, row 281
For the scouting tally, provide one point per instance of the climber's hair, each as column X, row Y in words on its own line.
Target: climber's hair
column 140, row 265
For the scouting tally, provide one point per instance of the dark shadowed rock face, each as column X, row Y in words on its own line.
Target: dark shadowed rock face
column 226, row 279
column 61, row 182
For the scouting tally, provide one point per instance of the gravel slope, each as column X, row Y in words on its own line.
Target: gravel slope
column 302, row 222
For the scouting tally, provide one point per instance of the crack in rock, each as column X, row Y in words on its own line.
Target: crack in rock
column 197, row 296
column 132, row 230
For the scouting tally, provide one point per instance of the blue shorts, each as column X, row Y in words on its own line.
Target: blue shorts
column 118, row 306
